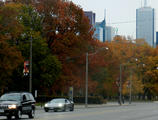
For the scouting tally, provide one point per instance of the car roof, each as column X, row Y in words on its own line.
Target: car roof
column 59, row 98
column 17, row 92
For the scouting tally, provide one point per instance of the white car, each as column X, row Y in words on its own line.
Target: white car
column 59, row 104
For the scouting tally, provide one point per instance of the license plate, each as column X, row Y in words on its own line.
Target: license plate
column 1, row 110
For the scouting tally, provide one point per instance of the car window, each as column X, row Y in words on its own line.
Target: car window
column 31, row 97
column 27, row 97
column 67, row 101
column 58, row 101
column 11, row 97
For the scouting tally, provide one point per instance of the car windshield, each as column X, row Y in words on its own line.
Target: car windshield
column 58, row 101
column 11, row 97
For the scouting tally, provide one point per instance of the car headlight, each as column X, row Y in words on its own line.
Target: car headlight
column 46, row 105
column 60, row 105
column 12, row 106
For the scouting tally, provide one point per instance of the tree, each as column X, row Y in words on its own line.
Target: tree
column 10, row 56
column 68, row 35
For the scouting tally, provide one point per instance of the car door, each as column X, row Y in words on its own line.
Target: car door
column 68, row 104
column 26, row 106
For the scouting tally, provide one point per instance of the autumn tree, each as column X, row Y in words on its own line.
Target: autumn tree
column 10, row 56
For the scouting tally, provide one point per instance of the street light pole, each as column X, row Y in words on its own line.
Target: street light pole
column 30, row 79
column 130, row 92
column 86, row 92
column 120, row 88
column 86, row 82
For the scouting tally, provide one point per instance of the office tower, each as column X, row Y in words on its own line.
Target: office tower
column 145, row 24
column 101, row 27
column 110, row 33
column 98, row 31
column 91, row 17
column 156, row 38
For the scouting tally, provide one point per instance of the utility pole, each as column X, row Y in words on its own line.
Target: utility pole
column 86, row 91
column 120, row 88
column 30, row 79
column 130, row 92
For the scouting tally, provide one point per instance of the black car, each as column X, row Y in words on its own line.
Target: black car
column 16, row 104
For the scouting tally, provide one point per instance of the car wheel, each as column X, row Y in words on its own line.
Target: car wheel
column 46, row 110
column 64, row 109
column 9, row 117
column 18, row 115
column 72, row 108
column 32, row 114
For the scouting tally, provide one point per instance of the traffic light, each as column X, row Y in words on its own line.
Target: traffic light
column 26, row 68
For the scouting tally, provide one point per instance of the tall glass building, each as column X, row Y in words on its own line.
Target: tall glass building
column 110, row 33
column 145, row 24
column 91, row 17
column 98, row 31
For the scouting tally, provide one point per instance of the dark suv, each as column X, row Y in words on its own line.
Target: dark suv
column 16, row 104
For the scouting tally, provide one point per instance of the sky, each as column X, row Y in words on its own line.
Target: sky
column 118, row 12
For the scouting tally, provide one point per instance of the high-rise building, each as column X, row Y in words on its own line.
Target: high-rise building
column 98, row 31
column 110, row 33
column 91, row 17
column 145, row 24
column 156, row 38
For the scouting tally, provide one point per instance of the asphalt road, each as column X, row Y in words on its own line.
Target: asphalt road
column 135, row 111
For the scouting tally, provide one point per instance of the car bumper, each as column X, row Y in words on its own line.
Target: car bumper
column 54, row 108
column 8, row 112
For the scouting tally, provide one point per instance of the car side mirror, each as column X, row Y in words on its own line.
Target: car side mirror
column 24, row 98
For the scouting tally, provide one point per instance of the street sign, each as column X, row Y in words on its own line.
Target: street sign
column 71, row 93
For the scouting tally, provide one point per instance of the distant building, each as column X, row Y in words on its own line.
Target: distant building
column 156, row 38
column 145, row 24
column 91, row 17
column 99, row 31
column 110, row 33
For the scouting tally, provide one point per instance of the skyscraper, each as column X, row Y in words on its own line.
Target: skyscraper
column 91, row 17
column 99, row 31
column 110, row 33
column 145, row 24
column 156, row 38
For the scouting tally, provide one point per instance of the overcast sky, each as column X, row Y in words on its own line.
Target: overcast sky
column 117, row 11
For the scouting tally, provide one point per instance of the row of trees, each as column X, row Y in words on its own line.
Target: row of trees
column 61, row 36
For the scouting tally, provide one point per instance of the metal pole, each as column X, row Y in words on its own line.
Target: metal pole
column 120, row 88
column 130, row 92
column 86, row 94
column 30, row 79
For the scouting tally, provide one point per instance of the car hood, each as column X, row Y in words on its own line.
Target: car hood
column 55, row 104
column 9, row 102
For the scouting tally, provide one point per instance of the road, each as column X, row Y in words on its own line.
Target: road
column 135, row 111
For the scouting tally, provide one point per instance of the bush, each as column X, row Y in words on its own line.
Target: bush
column 78, row 100
column 91, row 100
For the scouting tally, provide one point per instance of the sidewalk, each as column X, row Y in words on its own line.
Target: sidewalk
column 110, row 104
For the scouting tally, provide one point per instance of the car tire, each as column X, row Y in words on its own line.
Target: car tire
column 9, row 117
column 32, row 114
column 64, row 109
column 46, row 110
column 72, row 108
column 18, row 115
